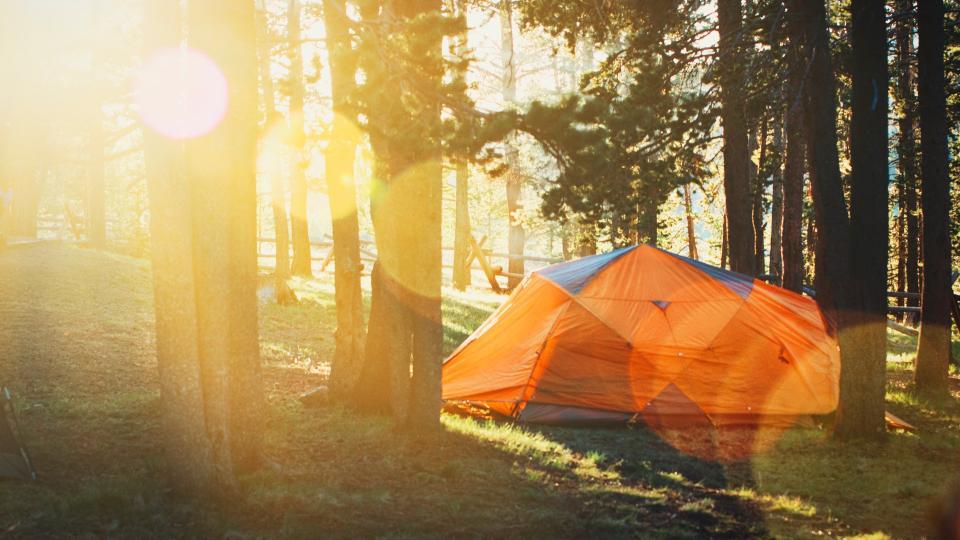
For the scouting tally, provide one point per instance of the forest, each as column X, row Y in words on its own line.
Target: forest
column 479, row 268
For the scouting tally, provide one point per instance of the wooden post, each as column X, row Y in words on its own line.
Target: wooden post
column 485, row 264
column 471, row 254
column 327, row 260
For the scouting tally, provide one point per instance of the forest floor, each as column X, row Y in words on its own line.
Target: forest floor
column 77, row 347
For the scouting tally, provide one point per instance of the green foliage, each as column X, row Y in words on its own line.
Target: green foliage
column 639, row 125
column 406, row 80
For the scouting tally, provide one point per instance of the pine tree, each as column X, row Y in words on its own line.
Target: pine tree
column 933, row 350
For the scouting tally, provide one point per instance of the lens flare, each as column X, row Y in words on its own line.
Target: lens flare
column 181, row 93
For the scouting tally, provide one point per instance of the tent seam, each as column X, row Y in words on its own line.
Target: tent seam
column 533, row 368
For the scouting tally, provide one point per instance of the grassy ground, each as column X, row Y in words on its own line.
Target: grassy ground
column 76, row 345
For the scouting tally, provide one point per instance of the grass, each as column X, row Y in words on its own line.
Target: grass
column 76, row 344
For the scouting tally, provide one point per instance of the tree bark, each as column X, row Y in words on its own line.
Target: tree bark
column 462, row 275
column 736, row 157
column 776, row 206
column 691, row 225
column 225, row 235
column 863, row 374
column 350, row 333
column 724, row 243
column 427, row 324
column 808, row 30
column 517, row 235
column 907, row 150
column 793, row 259
column 758, row 184
column 933, row 350
column 187, row 449
column 278, row 202
column 406, row 212
column 299, row 213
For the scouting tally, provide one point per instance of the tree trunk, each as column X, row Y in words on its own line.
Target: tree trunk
column 225, row 230
column 425, row 402
column 906, row 150
column 461, row 243
column 808, row 29
column 758, row 184
column 933, row 350
column 776, row 207
column 350, row 333
column 736, row 157
column 187, row 448
column 278, row 203
column 299, row 214
column 586, row 240
column 863, row 374
column 724, row 243
column 517, row 235
column 406, row 214
column 691, row 225
column 387, row 349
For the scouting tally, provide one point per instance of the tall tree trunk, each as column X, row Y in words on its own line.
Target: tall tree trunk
column 187, row 448
column 425, row 402
column 299, row 213
column 863, row 373
column 517, row 236
column 278, row 191
column 736, row 156
column 350, row 333
column 792, row 226
column 933, row 350
column 406, row 212
column 461, row 241
column 691, row 225
column 776, row 206
column 724, row 243
column 808, row 29
column 906, row 149
column 225, row 236
column 758, row 184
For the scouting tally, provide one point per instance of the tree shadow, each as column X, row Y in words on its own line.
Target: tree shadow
column 674, row 493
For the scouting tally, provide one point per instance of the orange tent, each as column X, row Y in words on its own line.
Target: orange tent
column 644, row 333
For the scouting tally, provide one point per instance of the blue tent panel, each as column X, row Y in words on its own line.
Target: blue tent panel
column 574, row 275
column 736, row 282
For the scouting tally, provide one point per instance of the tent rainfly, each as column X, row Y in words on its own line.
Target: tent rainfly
column 643, row 334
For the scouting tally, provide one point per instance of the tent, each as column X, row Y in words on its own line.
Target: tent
column 14, row 460
column 643, row 334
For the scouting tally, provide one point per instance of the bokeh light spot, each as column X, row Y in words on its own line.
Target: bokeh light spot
column 181, row 93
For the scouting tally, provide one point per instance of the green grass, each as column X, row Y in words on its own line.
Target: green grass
column 76, row 344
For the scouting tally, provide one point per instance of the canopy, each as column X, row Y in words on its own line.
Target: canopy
column 643, row 333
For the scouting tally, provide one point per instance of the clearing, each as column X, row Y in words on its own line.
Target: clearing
column 76, row 345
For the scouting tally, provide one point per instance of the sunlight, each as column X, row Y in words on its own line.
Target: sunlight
column 181, row 93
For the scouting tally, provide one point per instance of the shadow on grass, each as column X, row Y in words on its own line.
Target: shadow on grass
column 654, row 486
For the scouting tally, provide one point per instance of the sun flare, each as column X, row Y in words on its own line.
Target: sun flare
column 181, row 93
